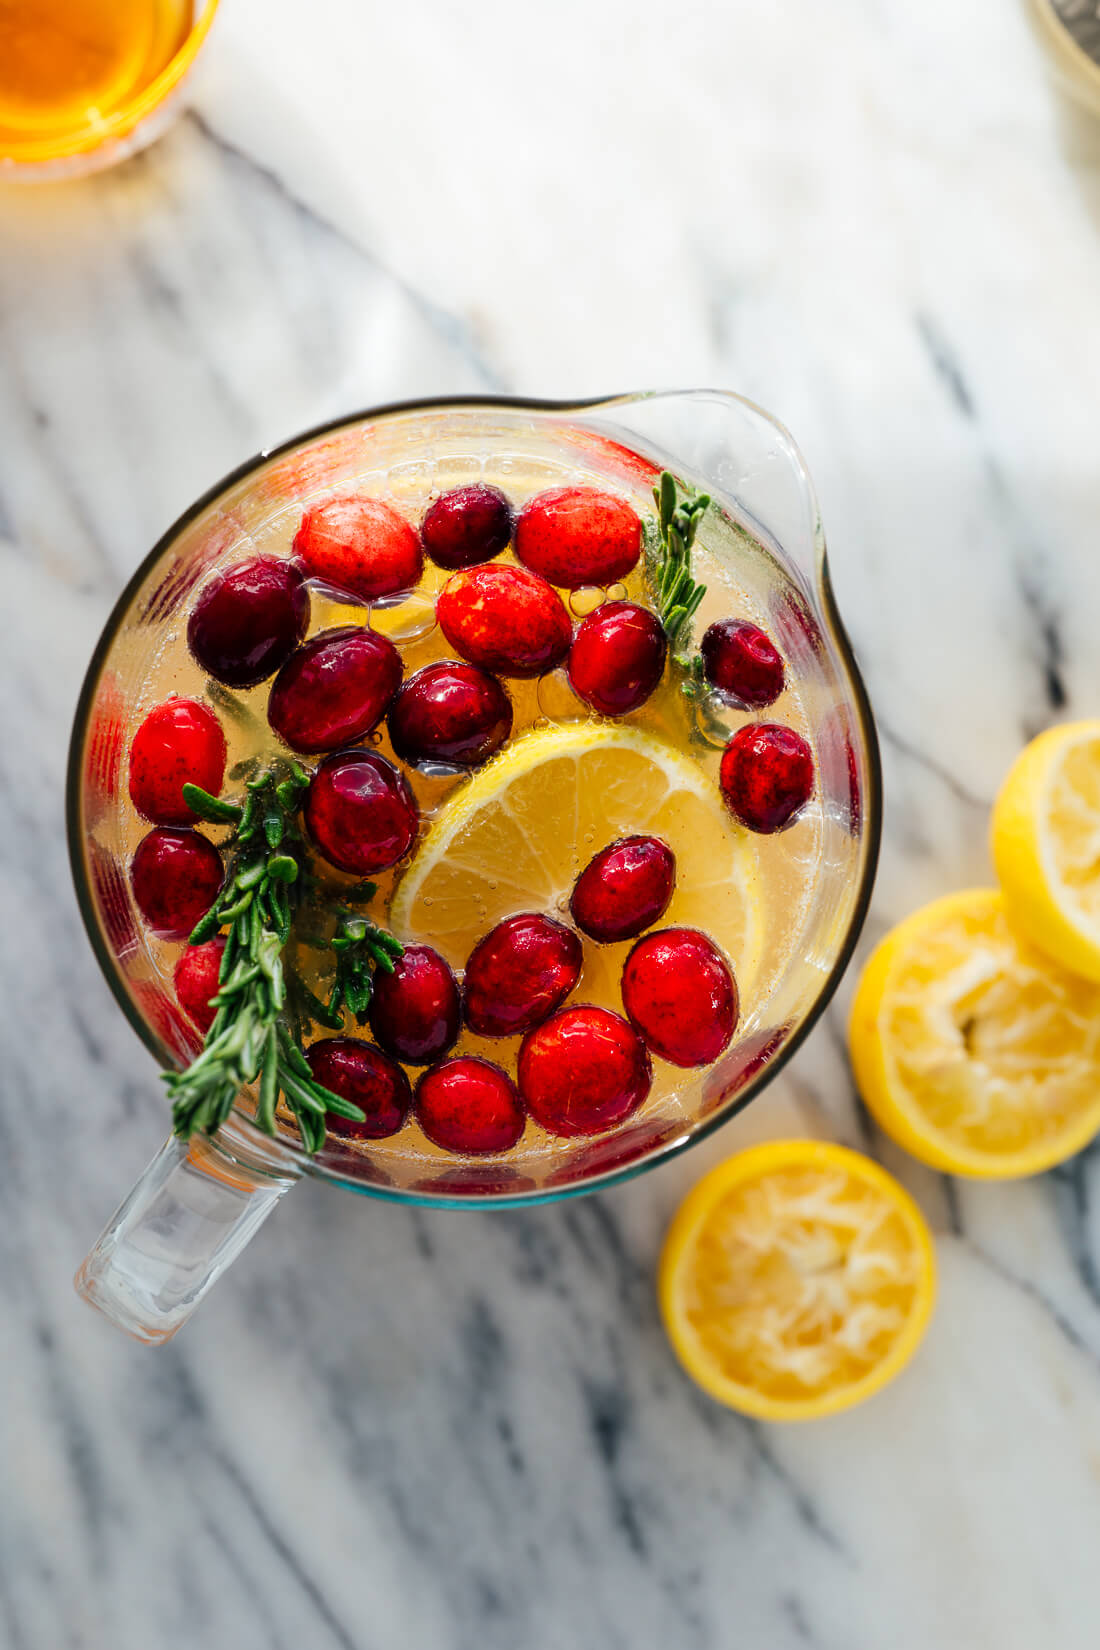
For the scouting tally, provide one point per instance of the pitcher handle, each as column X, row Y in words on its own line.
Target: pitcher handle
column 190, row 1214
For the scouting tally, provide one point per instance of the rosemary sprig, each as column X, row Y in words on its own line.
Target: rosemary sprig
column 669, row 539
column 360, row 947
column 249, row 1039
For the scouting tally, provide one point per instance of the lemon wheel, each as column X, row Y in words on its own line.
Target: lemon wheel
column 972, row 1048
column 1046, row 844
column 796, row 1279
column 515, row 836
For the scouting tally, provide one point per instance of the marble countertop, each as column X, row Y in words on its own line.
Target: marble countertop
column 442, row 1431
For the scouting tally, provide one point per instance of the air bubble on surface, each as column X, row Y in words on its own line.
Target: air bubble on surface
column 584, row 601
column 557, row 701
column 715, row 720
column 408, row 620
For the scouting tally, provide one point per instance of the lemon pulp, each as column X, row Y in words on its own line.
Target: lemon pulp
column 971, row 1047
column 796, row 1279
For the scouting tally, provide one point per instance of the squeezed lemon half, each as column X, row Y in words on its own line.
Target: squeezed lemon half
column 515, row 836
column 796, row 1279
column 1046, row 844
column 973, row 1049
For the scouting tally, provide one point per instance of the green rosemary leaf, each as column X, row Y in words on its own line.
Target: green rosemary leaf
column 205, row 928
column 210, row 808
column 669, row 540
column 269, row 1083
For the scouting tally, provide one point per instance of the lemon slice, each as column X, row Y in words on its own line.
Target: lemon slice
column 974, row 1050
column 1046, row 844
column 516, row 835
column 796, row 1280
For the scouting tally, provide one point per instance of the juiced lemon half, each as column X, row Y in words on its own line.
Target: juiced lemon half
column 973, row 1049
column 1046, row 844
column 796, row 1279
column 516, row 835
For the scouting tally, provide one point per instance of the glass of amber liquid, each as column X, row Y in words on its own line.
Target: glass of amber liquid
column 84, row 83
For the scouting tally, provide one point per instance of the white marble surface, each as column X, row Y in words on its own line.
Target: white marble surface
column 390, row 1429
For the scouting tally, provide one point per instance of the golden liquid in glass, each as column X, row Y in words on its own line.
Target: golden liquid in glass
column 66, row 66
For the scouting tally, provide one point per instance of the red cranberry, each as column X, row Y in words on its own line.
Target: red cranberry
column 361, row 1073
column 578, row 535
column 583, row 1071
column 248, row 619
column 680, row 993
column 767, row 775
column 519, row 973
column 469, row 1105
column 504, row 619
column 450, row 713
column 359, row 547
column 742, row 662
column 624, row 889
column 175, row 877
column 196, row 981
column 335, row 689
column 467, row 526
column 179, row 743
column 361, row 812
column 415, row 1012
column 617, row 657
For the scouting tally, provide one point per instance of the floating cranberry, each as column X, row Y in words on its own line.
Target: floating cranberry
column 416, row 1011
column 767, row 775
column 450, row 713
column 196, row 981
column 578, row 535
column 469, row 1105
column 466, row 526
column 179, row 743
column 175, row 876
column 357, row 1071
column 504, row 619
column 248, row 619
column 359, row 547
column 583, row 1071
column 519, row 973
column 742, row 662
column 680, row 993
column 623, row 890
column 617, row 657
column 335, row 689
column 361, row 812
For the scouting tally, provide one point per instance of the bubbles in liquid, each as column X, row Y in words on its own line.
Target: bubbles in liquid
column 557, row 701
column 585, row 600
column 407, row 620
column 715, row 720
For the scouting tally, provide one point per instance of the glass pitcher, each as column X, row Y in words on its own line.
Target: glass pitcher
column 199, row 1202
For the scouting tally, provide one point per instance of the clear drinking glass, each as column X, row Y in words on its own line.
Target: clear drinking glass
column 199, row 1203
column 102, row 138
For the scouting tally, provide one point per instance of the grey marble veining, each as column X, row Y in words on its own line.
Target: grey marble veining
column 390, row 1428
